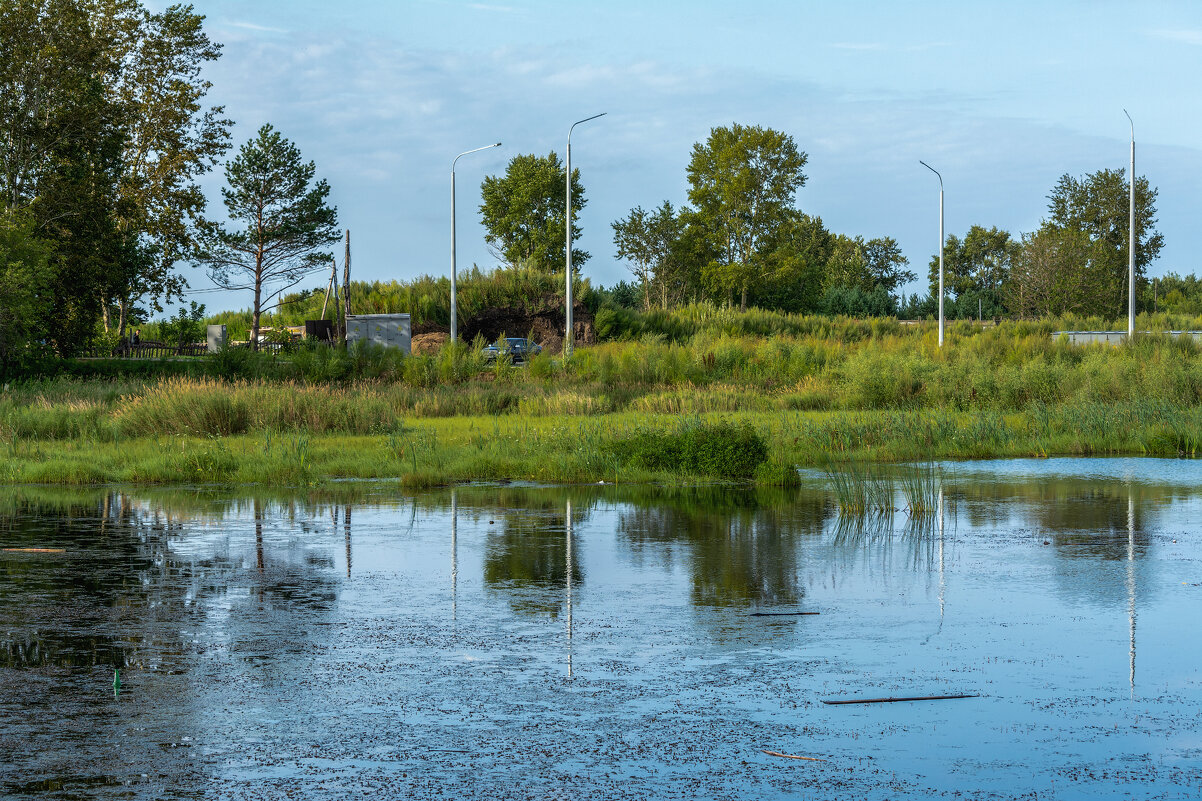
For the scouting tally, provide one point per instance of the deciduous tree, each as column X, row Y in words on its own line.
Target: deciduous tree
column 743, row 182
column 524, row 213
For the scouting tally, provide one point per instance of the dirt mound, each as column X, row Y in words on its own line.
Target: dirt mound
column 429, row 343
column 542, row 322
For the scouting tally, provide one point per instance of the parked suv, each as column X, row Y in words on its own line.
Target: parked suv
column 515, row 349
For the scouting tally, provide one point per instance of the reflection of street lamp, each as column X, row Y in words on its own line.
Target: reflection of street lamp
column 1131, row 240
column 567, row 344
column 454, row 309
column 569, row 559
column 940, row 177
column 1131, row 579
column 454, row 557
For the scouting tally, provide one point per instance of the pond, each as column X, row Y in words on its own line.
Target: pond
column 608, row 642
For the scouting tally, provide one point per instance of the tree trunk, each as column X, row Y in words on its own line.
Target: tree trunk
column 123, row 307
column 104, row 314
column 254, row 319
column 743, row 300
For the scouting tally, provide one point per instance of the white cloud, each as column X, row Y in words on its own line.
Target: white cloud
column 1182, row 36
column 858, row 46
column 250, row 26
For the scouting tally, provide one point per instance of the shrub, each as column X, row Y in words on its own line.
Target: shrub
column 719, row 450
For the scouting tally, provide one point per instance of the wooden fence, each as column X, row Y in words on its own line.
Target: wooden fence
column 160, row 350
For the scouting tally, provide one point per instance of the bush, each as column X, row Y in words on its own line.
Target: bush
column 719, row 450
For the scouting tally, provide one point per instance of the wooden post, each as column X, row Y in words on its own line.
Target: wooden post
column 346, row 283
column 329, row 286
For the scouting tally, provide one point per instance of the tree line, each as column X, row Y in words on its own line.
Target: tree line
column 104, row 135
column 743, row 240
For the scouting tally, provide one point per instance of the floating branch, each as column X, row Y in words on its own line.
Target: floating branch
column 791, row 756
column 896, row 700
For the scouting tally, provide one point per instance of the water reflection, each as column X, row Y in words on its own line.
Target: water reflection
column 527, row 559
column 247, row 609
column 739, row 552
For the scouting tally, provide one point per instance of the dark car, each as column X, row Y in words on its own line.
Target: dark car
column 515, row 349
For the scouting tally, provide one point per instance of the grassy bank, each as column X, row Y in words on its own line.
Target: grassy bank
column 726, row 397
column 610, row 448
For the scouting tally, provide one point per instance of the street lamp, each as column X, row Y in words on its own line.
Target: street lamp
column 1131, row 241
column 567, row 343
column 454, row 296
column 940, row 177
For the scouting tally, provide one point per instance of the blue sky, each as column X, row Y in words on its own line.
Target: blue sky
column 1001, row 97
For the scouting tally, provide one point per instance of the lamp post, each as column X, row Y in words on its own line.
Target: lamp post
column 940, row 177
column 454, row 296
column 1131, row 241
column 567, row 343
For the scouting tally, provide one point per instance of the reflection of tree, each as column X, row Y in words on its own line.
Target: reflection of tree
column 527, row 557
column 739, row 550
column 1082, row 517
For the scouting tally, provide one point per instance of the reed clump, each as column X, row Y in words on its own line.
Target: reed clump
column 208, row 407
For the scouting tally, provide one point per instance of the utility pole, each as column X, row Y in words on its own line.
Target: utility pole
column 454, row 291
column 329, row 286
column 346, row 285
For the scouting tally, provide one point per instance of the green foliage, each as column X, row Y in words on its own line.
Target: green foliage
column 185, row 328
column 976, row 268
column 742, row 182
column 284, row 218
column 427, row 299
column 24, row 304
column 524, row 213
column 1077, row 262
column 650, row 243
column 866, row 265
column 722, row 449
column 104, row 136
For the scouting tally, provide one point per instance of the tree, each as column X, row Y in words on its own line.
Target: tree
column 170, row 139
column 285, row 220
column 649, row 243
column 975, row 268
column 102, row 136
column 1059, row 272
column 25, row 263
column 743, row 181
column 800, row 249
column 1093, row 211
column 524, row 213
column 866, row 264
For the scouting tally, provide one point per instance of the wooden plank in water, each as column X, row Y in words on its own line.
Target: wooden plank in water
column 791, row 756
column 896, row 700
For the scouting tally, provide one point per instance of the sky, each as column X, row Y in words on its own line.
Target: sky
column 1001, row 97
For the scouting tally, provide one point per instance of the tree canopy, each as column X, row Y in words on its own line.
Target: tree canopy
column 103, row 134
column 283, row 219
column 743, row 181
column 524, row 213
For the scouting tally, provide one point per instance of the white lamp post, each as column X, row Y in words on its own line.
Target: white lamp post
column 1131, row 241
column 940, row 177
column 454, row 296
column 567, row 343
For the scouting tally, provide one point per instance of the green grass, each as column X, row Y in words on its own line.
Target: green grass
column 574, row 449
column 813, row 391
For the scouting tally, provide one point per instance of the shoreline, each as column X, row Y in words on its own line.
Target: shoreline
column 566, row 449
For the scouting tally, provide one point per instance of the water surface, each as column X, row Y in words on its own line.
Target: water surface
column 523, row 642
